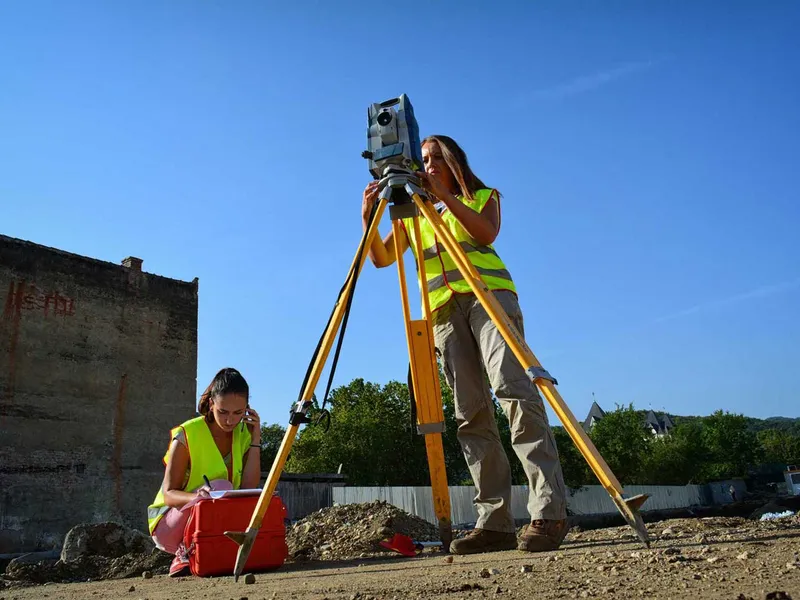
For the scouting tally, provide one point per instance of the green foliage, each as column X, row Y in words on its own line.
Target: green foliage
column 731, row 446
column 624, row 443
column 779, row 447
column 576, row 470
column 271, row 438
column 372, row 438
column 677, row 459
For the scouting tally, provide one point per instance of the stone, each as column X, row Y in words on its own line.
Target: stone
column 249, row 579
column 147, row 574
column 107, row 539
column 526, row 569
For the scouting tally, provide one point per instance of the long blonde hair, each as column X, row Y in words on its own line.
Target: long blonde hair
column 456, row 160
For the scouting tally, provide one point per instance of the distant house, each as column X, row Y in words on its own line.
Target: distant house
column 657, row 424
column 595, row 414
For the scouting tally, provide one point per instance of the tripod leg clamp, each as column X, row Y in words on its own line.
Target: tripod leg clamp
column 403, row 211
column 540, row 373
column 425, row 428
column 298, row 416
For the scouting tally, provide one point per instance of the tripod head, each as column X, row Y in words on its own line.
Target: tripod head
column 394, row 150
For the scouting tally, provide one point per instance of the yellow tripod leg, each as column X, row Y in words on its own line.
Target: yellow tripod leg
column 245, row 539
column 629, row 508
column 427, row 394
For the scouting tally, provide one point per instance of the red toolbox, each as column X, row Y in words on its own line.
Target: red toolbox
column 211, row 552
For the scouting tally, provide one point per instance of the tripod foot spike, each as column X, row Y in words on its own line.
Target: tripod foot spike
column 629, row 508
column 245, row 540
column 445, row 534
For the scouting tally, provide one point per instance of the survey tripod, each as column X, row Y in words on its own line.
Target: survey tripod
column 399, row 187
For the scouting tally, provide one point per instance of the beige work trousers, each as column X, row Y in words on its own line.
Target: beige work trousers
column 468, row 343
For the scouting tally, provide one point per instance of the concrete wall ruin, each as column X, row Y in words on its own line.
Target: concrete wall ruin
column 97, row 361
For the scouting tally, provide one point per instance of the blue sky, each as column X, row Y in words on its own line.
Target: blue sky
column 647, row 154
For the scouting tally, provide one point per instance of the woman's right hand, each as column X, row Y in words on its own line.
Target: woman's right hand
column 203, row 492
column 370, row 196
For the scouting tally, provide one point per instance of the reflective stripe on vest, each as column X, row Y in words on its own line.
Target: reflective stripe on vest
column 443, row 277
column 204, row 459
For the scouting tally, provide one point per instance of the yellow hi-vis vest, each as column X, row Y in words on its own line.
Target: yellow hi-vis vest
column 204, row 459
column 443, row 278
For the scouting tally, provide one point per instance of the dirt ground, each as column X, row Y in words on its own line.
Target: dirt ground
column 711, row 558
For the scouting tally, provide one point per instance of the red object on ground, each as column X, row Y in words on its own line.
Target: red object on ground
column 402, row 544
column 211, row 552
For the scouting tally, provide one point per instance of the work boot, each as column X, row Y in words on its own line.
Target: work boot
column 483, row 540
column 542, row 535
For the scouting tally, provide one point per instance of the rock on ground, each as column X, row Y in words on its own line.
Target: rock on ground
column 93, row 551
column 104, row 539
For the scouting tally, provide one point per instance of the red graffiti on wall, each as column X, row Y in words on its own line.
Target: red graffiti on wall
column 24, row 297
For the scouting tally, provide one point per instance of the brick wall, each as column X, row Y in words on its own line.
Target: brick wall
column 97, row 361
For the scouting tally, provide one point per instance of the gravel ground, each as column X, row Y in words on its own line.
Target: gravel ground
column 712, row 558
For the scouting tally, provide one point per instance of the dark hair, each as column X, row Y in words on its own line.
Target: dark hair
column 226, row 381
column 456, row 159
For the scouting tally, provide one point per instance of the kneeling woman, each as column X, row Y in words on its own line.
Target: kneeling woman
column 222, row 447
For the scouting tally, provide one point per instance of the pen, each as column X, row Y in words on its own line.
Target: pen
column 208, row 483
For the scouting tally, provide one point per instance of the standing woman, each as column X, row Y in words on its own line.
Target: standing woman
column 468, row 342
column 221, row 446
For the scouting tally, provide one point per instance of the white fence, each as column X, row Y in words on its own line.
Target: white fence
column 589, row 500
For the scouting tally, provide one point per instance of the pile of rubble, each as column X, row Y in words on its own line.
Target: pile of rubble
column 91, row 552
column 354, row 531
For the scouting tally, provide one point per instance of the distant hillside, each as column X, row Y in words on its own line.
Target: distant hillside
column 782, row 423
column 788, row 424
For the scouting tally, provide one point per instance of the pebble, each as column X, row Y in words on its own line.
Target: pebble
column 147, row 575
column 249, row 578
column 485, row 573
column 448, row 559
column 132, row 588
column 526, row 569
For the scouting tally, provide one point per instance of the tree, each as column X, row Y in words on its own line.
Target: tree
column 370, row 435
column 623, row 442
column 575, row 468
column 732, row 447
column 679, row 458
column 271, row 438
column 779, row 447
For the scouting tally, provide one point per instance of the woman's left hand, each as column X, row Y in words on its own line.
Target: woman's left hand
column 434, row 186
column 253, row 422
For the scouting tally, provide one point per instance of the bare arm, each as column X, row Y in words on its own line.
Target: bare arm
column 483, row 226
column 381, row 251
column 251, row 472
column 177, row 464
